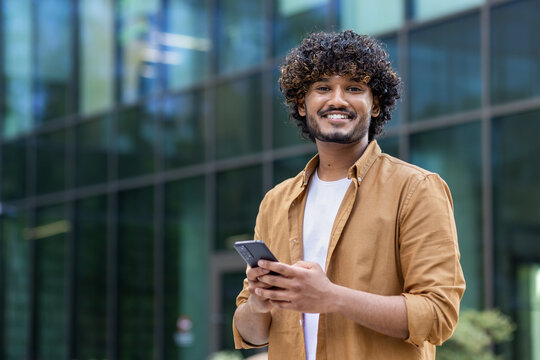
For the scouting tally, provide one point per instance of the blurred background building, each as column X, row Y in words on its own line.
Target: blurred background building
column 138, row 137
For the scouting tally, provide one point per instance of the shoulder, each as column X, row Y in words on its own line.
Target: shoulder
column 284, row 192
column 409, row 178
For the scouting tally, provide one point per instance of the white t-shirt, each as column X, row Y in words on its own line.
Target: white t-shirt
column 322, row 205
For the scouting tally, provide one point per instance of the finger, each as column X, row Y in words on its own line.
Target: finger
column 275, row 295
column 278, row 267
column 277, row 281
column 253, row 273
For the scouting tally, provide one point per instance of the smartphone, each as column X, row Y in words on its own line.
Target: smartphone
column 254, row 250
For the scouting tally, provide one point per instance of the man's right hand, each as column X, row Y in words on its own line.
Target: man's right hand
column 256, row 303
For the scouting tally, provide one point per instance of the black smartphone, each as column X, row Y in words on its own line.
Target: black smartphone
column 254, row 250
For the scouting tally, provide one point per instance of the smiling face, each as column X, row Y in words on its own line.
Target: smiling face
column 338, row 109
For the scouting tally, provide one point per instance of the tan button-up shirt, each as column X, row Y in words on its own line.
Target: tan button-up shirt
column 394, row 234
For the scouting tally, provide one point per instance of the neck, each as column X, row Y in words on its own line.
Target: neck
column 336, row 159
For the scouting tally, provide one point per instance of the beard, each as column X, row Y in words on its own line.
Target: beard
column 337, row 136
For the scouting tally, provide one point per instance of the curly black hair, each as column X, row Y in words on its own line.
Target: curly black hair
column 344, row 53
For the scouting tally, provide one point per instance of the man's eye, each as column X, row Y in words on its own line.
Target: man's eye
column 322, row 88
column 355, row 89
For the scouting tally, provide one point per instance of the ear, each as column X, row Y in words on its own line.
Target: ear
column 301, row 106
column 375, row 107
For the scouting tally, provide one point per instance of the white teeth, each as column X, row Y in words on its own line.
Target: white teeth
column 337, row 116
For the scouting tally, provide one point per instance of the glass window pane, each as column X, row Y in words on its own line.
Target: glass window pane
column 285, row 131
column 444, row 65
column 238, row 195
column 239, row 113
column 136, row 274
column 51, row 164
column 372, row 17
column 91, row 278
column 290, row 167
column 515, row 51
column 427, row 9
column 92, row 147
column 140, row 52
column 389, row 146
column 186, row 42
column 17, row 72
column 183, row 122
column 16, row 274
column 240, row 39
column 96, row 55
column 135, row 141
column 51, row 235
column 14, row 169
column 455, row 154
column 516, row 213
column 393, row 53
column 53, row 46
column 186, row 270
column 294, row 19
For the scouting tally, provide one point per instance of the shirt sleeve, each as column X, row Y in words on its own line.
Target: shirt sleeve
column 429, row 255
column 239, row 341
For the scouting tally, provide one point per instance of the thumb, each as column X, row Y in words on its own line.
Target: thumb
column 306, row 264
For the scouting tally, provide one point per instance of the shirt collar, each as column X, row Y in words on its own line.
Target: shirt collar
column 358, row 170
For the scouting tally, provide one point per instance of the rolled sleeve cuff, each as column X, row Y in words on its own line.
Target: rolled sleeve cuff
column 239, row 342
column 420, row 319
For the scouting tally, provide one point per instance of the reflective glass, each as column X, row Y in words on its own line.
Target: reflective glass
column 183, row 122
column 54, row 60
column 427, row 9
column 135, row 140
column 392, row 48
column 455, row 154
column 141, row 54
column 290, row 167
column 92, row 147
column 238, row 195
column 17, row 72
column 14, row 249
column 444, row 68
column 239, row 113
column 51, row 269
column 516, row 217
column 186, row 270
column 91, row 278
column 186, row 42
column 51, row 162
column 372, row 17
column 515, row 51
column 389, row 146
column 14, row 169
column 96, row 53
column 294, row 19
column 240, row 34
column 285, row 131
column 136, row 274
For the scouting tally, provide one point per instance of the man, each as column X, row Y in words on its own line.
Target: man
column 369, row 261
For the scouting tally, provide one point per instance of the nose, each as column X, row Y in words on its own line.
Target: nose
column 337, row 98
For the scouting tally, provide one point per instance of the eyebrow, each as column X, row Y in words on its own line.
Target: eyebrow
column 356, row 80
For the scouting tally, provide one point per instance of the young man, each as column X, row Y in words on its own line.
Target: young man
column 369, row 261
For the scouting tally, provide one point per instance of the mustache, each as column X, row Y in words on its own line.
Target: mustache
column 323, row 112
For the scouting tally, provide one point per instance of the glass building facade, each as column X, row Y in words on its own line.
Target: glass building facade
column 137, row 138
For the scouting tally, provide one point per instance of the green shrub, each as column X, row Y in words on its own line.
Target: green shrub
column 475, row 335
